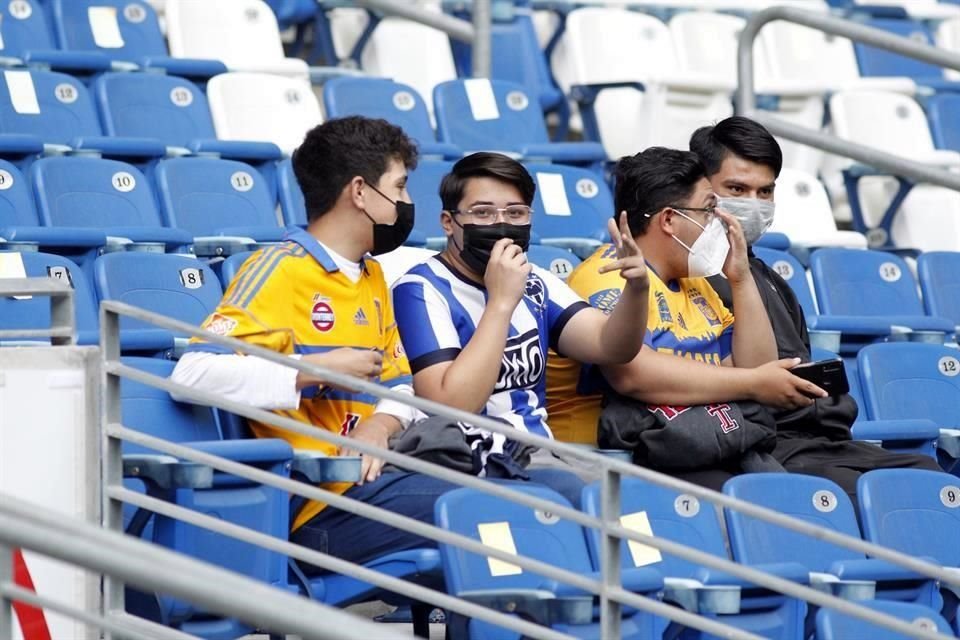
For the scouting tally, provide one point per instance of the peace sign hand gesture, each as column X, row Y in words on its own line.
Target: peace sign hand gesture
column 629, row 260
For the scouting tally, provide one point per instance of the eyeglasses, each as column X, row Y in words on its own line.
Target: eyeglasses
column 514, row 214
column 710, row 211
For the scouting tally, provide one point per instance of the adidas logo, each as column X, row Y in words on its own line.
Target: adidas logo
column 360, row 318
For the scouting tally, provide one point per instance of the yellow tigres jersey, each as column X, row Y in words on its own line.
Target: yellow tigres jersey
column 291, row 298
column 686, row 318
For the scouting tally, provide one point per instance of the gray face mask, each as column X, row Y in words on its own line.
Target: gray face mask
column 755, row 215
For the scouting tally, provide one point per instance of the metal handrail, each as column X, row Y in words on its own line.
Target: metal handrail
column 28, row 526
column 745, row 98
column 113, row 430
column 62, row 330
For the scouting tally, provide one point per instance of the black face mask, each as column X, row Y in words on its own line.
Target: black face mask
column 478, row 241
column 387, row 237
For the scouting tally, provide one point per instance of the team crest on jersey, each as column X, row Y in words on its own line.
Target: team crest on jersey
column 349, row 423
column 662, row 307
column 609, row 252
column 605, row 300
column 701, row 303
column 322, row 316
column 398, row 351
column 360, row 318
column 220, row 325
column 523, row 364
column 722, row 413
column 535, row 290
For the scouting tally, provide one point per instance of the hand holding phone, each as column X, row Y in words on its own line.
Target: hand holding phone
column 829, row 375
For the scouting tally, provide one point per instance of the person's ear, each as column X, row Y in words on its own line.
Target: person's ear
column 666, row 220
column 356, row 192
column 446, row 221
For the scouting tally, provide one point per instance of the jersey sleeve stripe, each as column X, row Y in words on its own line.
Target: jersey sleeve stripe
column 268, row 269
column 434, row 357
column 556, row 329
column 250, row 273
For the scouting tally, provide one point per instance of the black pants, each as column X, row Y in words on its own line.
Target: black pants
column 843, row 461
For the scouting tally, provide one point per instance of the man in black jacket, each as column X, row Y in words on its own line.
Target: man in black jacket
column 742, row 161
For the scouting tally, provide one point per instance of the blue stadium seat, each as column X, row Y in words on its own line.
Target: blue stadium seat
column 19, row 221
column 942, row 109
column 821, row 502
column 833, row 625
column 423, row 185
column 495, row 115
column 116, row 30
column 870, row 295
column 178, row 286
column 25, row 28
column 790, row 269
column 34, row 313
column 212, row 197
column 517, row 57
column 395, row 102
column 54, row 107
column 684, row 519
column 903, row 381
column 292, row 206
column 230, row 498
column 571, row 208
column 880, row 62
column 559, row 262
column 538, row 536
column 107, row 195
column 230, row 266
column 939, row 273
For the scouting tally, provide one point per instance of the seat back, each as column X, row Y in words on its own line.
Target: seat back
column 379, row 98
column 178, row 286
column 122, row 29
column 411, row 53
column 93, row 193
column 570, row 203
column 790, row 269
column 148, row 105
column 863, row 283
column 34, row 312
column 880, row 62
column 911, row 380
column 24, row 26
column 293, row 208
column 833, row 625
column 912, row 510
column 483, row 114
column 16, row 200
column 803, row 207
column 230, row 267
column 241, row 33
column 206, row 196
column 948, row 37
column 423, row 185
column 815, row 500
column 263, row 108
column 52, row 106
column 858, row 115
column 939, row 273
column 661, row 512
column 706, row 42
column 557, row 261
column 942, row 109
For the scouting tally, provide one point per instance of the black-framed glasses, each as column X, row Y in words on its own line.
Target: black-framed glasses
column 514, row 214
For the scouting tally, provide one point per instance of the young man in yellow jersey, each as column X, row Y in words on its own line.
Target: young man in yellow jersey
column 693, row 347
column 319, row 297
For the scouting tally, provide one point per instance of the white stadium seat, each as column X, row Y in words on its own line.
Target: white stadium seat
column 804, row 213
column 263, row 108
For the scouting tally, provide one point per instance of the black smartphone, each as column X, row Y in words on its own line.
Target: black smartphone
column 829, row 375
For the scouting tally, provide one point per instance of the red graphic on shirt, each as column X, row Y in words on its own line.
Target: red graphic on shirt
column 667, row 411
column 349, row 422
column 722, row 412
column 322, row 316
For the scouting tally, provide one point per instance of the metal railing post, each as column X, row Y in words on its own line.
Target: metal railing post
column 111, row 468
column 482, row 55
column 6, row 604
column 610, row 610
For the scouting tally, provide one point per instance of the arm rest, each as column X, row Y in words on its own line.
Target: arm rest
column 542, row 606
column 257, row 450
column 445, row 150
column 774, row 240
column 696, row 82
column 172, row 238
column 167, row 472
column 237, row 150
column 846, row 589
column 317, row 467
column 185, row 67
column 949, row 442
column 87, row 61
column 586, row 94
column 56, row 236
column 881, row 430
column 566, row 151
column 699, row 598
column 110, row 147
column 20, row 144
column 792, row 571
column 211, row 246
column 873, row 569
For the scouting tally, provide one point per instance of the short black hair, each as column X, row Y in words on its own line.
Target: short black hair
column 338, row 150
column 485, row 164
column 651, row 180
column 743, row 137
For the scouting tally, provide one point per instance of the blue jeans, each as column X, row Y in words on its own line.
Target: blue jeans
column 351, row 537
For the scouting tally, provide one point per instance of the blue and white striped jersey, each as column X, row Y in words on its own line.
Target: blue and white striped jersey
column 438, row 309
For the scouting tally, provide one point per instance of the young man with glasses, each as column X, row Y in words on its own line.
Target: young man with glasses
column 694, row 350
column 477, row 320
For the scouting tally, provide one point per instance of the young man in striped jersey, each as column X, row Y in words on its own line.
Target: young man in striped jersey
column 477, row 319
